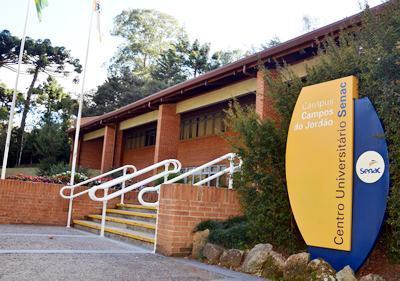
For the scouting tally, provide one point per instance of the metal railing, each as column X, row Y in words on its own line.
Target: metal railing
column 71, row 195
column 233, row 167
column 171, row 166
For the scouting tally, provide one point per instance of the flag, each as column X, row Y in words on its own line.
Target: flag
column 40, row 5
column 97, row 10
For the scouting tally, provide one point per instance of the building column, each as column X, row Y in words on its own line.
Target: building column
column 118, row 148
column 264, row 103
column 168, row 127
column 108, row 148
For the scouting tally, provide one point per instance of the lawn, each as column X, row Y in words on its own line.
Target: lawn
column 29, row 171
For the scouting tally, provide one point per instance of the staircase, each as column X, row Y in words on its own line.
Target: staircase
column 130, row 223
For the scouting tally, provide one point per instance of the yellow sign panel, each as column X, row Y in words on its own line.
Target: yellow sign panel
column 319, row 163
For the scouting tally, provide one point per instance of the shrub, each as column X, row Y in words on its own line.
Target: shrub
column 231, row 233
column 234, row 237
column 59, row 168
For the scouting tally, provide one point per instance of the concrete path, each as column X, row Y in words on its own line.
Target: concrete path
column 57, row 253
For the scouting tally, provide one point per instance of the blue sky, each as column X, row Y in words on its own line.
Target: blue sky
column 225, row 24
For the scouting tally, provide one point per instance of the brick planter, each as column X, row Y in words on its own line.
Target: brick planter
column 183, row 206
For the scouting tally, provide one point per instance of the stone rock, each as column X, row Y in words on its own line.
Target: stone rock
column 296, row 267
column 372, row 277
column 320, row 270
column 199, row 241
column 231, row 258
column 273, row 266
column 256, row 258
column 346, row 274
column 212, row 252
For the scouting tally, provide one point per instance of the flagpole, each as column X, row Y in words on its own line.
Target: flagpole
column 78, row 120
column 14, row 98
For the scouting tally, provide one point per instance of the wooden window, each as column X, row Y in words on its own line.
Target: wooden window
column 207, row 124
column 140, row 137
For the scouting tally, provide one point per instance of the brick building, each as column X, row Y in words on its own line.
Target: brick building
column 184, row 121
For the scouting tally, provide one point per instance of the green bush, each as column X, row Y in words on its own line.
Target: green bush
column 234, row 237
column 373, row 56
column 59, row 168
column 231, row 233
column 210, row 225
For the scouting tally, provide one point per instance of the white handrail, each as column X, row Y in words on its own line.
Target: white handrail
column 176, row 167
column 71, row 195
column 231, row 170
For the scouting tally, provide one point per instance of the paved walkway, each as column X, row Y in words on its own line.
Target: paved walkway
column 57, row 253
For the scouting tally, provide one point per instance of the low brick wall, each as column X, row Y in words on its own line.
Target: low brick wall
column 182, row 207
column 40, row 203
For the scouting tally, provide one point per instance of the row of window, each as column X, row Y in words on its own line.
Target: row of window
column 221, row 181
column 140, row 138
column 202, row 125
column 191, row 127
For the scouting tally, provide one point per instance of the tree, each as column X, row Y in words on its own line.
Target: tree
column 44, row 58
column 146, row 34
column 171, row 65
column 198, row 58
column 221, row 58
column 5, row 102
column 9, row 48
column 274, row 41
column 50, row 141
column 118, row 91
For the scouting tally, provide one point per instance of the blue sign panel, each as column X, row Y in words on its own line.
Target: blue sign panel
column 370, row 189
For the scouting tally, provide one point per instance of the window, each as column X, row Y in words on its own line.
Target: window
column 221, row 181
column 202, row 125
column 140, row 137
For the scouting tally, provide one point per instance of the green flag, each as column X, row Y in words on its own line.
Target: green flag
column 40, row 4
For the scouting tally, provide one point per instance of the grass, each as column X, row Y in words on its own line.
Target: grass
column 28, row 171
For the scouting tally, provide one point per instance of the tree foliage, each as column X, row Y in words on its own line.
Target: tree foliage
column 146, row 34
column 155, row 53
column 118, row 91
column 43, row 57
column 373, row 55
column 9, row 48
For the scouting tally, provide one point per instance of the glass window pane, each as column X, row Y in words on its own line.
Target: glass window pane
column 209, row 125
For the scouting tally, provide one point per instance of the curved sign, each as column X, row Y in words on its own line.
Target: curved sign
column 336, row 167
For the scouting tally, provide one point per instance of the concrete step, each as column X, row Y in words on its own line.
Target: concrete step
column 137, row 208
column 147, row 217
column 125, row 223
column 126, row 235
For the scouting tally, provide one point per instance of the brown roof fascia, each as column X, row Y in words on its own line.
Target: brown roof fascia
column 250, row 61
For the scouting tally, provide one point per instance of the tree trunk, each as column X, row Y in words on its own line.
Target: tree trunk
column 27, row 103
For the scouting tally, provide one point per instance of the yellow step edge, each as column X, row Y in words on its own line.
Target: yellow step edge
column 115, row 231
column 124, row 221
column 134, row 214
column 137, row 207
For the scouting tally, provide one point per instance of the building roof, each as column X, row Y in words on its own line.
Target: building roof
column 294, row 50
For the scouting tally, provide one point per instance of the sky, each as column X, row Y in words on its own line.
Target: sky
column 226, row 24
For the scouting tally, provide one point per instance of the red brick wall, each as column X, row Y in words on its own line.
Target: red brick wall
column 141, row 157
column 196, row 152
column 108, row 149
column 40, row 203
column 182, row 207
column 168, row 126
column 264, row 104
column 91, row 153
